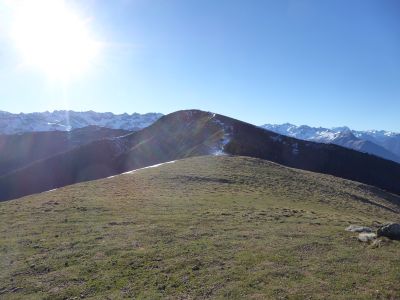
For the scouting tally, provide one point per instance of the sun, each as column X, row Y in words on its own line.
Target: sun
column 53, row 38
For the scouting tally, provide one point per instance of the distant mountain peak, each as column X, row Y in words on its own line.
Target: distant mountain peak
column 65, row 120
column 340, row 128
column 345, row 133
column 382, row 143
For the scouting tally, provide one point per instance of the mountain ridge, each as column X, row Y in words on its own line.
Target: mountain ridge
column 66, row 120
column 382, row 143
column 19, row 150
column 194, row 133
column 385, row 144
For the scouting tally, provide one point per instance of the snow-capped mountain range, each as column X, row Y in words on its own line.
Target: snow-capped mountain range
column 63, row 120
column 382, row 143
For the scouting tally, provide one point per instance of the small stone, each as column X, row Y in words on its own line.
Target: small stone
column 196, row 268
column 366, row 237
column 356, row 228
column 185, row 279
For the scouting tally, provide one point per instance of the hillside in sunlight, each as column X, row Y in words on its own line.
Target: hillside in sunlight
column 200, row 228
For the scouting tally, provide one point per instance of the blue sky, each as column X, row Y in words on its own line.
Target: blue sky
column 321, row 63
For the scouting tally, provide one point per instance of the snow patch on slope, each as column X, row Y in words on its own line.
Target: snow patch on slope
column 226, row 138
column 148, row 167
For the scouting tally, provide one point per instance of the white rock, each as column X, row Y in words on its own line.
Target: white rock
column 356, row 228
column 366, row 236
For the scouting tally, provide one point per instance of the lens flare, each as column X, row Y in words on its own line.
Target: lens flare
column 53, row 38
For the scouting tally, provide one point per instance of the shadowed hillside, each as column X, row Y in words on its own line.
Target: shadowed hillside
column 19, row 150
column 192, row 133
column 200, row 228
column 179, row 135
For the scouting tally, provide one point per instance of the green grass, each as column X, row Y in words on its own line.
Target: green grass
column 205, row 227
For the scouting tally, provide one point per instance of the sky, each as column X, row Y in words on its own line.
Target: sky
column 314, row 62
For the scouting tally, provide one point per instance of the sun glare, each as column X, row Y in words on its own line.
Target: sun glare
column 53, row 38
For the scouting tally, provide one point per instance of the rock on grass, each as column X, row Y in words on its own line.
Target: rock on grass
column 366, row 236
column 356, row 228
column 392, row 231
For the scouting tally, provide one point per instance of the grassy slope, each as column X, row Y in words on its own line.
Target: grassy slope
column 205, row 227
